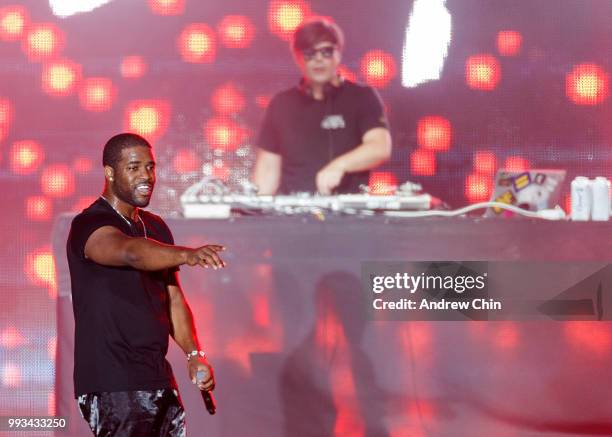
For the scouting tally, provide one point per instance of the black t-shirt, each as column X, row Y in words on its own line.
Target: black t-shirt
column 310, row 133
column 122, row 320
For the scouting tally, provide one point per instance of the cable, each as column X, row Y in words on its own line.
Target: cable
column 546, row 214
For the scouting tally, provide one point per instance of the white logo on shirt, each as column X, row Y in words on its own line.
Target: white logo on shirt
column 334, row 121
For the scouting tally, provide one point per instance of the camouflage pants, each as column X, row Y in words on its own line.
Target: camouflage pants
column 149, row 413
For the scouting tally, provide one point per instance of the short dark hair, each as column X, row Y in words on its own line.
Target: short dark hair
column 114, row 146
column 316, row 30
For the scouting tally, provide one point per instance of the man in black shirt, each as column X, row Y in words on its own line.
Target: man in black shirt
column 127, row 300
column 325, row 134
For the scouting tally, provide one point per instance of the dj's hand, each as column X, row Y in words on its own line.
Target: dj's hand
column 329, row 177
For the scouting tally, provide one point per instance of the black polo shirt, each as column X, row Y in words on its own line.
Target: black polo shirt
column 122, row 320
column 310, row 133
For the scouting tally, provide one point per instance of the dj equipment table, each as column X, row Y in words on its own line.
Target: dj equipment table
column 295, row 356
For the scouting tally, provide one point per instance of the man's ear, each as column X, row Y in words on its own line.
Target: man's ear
column 109, row 173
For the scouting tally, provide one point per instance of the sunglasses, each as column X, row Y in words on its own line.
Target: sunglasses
column 327, row 52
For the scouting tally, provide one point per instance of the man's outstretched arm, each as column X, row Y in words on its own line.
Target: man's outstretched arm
column 184, row 334
column 111, row 247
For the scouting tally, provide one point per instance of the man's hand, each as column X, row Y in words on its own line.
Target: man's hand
column 329, row 177
column 200, row 364
column 206, row 256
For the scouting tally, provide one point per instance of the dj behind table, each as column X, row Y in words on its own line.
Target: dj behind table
column 296, row 355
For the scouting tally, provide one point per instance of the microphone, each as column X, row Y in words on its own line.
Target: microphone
column 207, row 396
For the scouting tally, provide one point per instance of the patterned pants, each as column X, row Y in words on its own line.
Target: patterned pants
column 147, row 413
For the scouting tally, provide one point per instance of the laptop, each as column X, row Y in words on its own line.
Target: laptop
column 532, row 190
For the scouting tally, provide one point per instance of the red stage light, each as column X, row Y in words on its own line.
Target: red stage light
column 423, row 162
column 261, row 310
column 509, row 42
column 39, row 208
column 236, row 31
column 240, row 349
column 82, row 165
column 349, row 419
column 222, row 133
column 378, row 68
column 57, row 180
column 485, row 162
column 587, row 84
column 133, row 67
column 197, row 43
column 6, row 116
column 59, row 78
column 82, row 203
column 11, row 338
column 506, row 336
column 227, row 100
column 382, row 182
column 40, row 267
column 148, row 118
column 434, row 133
column 346, row 73
column 588, row 337
column 425, row 410
column 516, row 164
column 43, row 41
column 13, row 21
column 26, row 156
column 284, row 16
column 478, row 187
column 11, row 375
column 186, row 161
column 167, row 7
column 97, row 94
column 263, row 100
column 482, row 72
